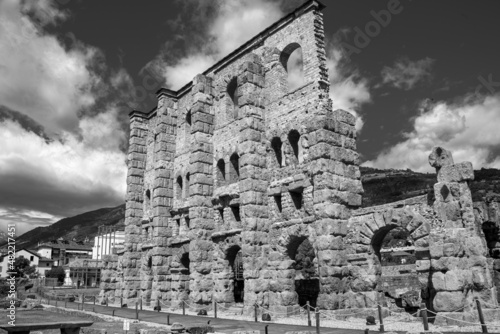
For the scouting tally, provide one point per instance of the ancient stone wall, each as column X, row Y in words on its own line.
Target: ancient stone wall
column 242, row 190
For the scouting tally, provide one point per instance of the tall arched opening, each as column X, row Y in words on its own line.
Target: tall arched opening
column 395, row 259
column 235, row 258
column 291, row 59
column 306, row 279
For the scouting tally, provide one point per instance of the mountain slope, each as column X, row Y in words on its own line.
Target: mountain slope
column 386, row 186
column 78, row 227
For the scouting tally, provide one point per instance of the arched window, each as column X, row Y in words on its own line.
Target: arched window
column 178, row 193
column 232, row 91
column 291, row 59
column 186, row 192
column 221, row 171
column 235, row 167
column 276, row 145
column 294, row 140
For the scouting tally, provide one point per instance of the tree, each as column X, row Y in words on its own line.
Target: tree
column 22, row 267
column 56, row 272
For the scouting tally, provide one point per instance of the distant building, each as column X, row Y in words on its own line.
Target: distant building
column 83, row 273
column 107, row 242
column 63, row 251
column 43, row 264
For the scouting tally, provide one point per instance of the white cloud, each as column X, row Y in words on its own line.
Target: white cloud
column 348, row 89
column 59, row 177
column 405, row 74
column 469, row 128
column 25, row 220
column 234, row 23
column 38, row 76
column 78, row 164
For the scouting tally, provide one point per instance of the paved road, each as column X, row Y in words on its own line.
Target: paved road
column 220, row 325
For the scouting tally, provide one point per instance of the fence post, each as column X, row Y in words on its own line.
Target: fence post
column 423, row 312
column 136, row 311
column 215, row 309
column 255, row 307
column 317, row 320
column 380, row 318
column 106, row 300
column 183, row 307
column 113, row 312
column 265, row 328
column 158, row 305
column 83, row 299
column 168, row 319
column 121, row 301
column 308, row 314
column 141, row 303
column 481, row 316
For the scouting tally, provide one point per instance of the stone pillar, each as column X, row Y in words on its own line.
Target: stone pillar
column 162, row 198
column 201, row 190
column 134, row 206
column 458, row 256
column 337, row 189
column 253, row 183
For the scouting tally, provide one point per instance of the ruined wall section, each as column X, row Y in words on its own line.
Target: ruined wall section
column 458, row 254
column 487, row 214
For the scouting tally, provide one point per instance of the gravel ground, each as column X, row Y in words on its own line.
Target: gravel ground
column 397, row 322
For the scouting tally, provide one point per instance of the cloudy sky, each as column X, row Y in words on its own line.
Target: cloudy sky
column 416, row 73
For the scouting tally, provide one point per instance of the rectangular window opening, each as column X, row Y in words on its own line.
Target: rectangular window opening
column 221, row 214
column 236, row 213
column 297, row 199
column 277, row 200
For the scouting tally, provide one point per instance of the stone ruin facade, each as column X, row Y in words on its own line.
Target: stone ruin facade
column 235, row 174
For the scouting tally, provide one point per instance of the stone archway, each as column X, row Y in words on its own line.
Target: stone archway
column 297, row 278
column 180, row 274
column 229, row 281
column 306, row 276
column 369, row 231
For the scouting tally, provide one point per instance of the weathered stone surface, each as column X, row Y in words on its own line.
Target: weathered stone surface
column 241, row 189
column 440, row 157
column 456, row 173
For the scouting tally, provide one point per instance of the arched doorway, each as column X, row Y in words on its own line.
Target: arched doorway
column 235, row 258
column 398, row 280
column 302, row 252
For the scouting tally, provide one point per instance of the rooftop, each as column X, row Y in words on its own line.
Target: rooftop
column 66, row 244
